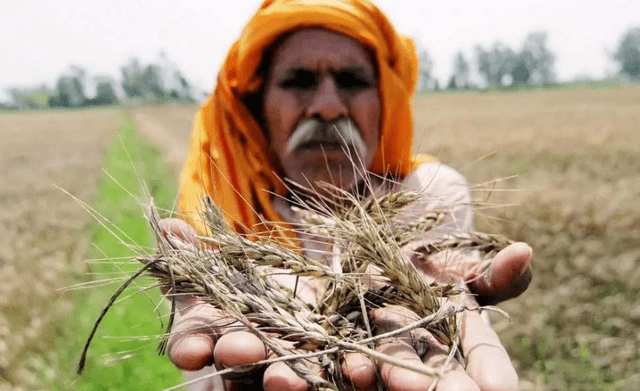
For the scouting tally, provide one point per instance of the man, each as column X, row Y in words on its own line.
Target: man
column 309, row 88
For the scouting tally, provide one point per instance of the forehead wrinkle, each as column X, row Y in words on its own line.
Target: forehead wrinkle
column 299, row 49
column 325, row 63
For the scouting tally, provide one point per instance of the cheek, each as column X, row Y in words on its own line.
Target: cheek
column 280, row 113
column 365, row 111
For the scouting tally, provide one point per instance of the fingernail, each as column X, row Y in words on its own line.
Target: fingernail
column 527, row 264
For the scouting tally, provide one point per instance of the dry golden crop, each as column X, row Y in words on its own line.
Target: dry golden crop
column 42, row 247
column 575, row 155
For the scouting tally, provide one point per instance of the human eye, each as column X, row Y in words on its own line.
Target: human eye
column 299, row 80
column 352, row 81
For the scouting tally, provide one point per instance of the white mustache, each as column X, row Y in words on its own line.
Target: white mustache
column 343, row 131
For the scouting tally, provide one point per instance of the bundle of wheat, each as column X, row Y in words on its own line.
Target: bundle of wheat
column 232, row 273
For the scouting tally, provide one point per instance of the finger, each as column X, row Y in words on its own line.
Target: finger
column 389, row 318
column 176, row 228
column 454, row 377
column 204, row 380
column 400, row 379
column 506, row 276
column 238, row 348
column 488, row 363
column 190, row 346
column 359, row 371
column 394, row 377
column 173, row 231
column 457, row 380
column 373, row 278
column 279, row 377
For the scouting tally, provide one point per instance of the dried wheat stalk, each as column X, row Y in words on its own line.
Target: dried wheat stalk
column 231, row 272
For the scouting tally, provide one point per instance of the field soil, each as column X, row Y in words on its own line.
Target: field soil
column 561, row 171
column 168, row 128
column 42, row 242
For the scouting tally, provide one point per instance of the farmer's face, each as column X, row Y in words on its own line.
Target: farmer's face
column 322, row 107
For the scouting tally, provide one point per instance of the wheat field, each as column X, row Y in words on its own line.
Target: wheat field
column 42, row 246
column 569, row 168
column 576, row 157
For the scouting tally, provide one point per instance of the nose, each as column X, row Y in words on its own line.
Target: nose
column 326, row 102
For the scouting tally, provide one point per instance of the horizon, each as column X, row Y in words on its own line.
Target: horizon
column 101, row 37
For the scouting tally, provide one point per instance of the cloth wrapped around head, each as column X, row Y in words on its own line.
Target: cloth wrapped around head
column 228, row 157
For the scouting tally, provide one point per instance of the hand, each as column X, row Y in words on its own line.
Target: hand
column 488, row 367
column 200, row 339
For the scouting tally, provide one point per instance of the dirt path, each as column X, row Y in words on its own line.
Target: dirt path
column 168, row 128
column 41, row 243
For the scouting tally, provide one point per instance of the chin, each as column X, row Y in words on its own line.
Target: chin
column 336, row 177
column 314, row 169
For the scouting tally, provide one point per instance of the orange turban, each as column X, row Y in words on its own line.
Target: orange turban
column 229, row 155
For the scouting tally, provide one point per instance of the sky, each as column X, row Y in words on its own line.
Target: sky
column 40, row 39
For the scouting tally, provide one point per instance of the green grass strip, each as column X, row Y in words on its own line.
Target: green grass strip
column 123, row 354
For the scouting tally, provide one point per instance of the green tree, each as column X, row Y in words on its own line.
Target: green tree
column 524, row 66
column 131, row 74
column 537, row 57
column 152, row 79
column 628, row 54
column 495, row 63
column 520, row 73
column 156, row 82
column 425, row 69
column 70, row 89
column 105, row 92
column 184, row 91
column 461, row 70
column 534, row 63
column 452, row 85
column 30, row 98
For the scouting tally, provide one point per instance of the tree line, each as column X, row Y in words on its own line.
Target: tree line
column 159, row 81
column 532, row 64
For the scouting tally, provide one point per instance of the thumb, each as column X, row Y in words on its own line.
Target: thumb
column 173, row 229
column 506, row 276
